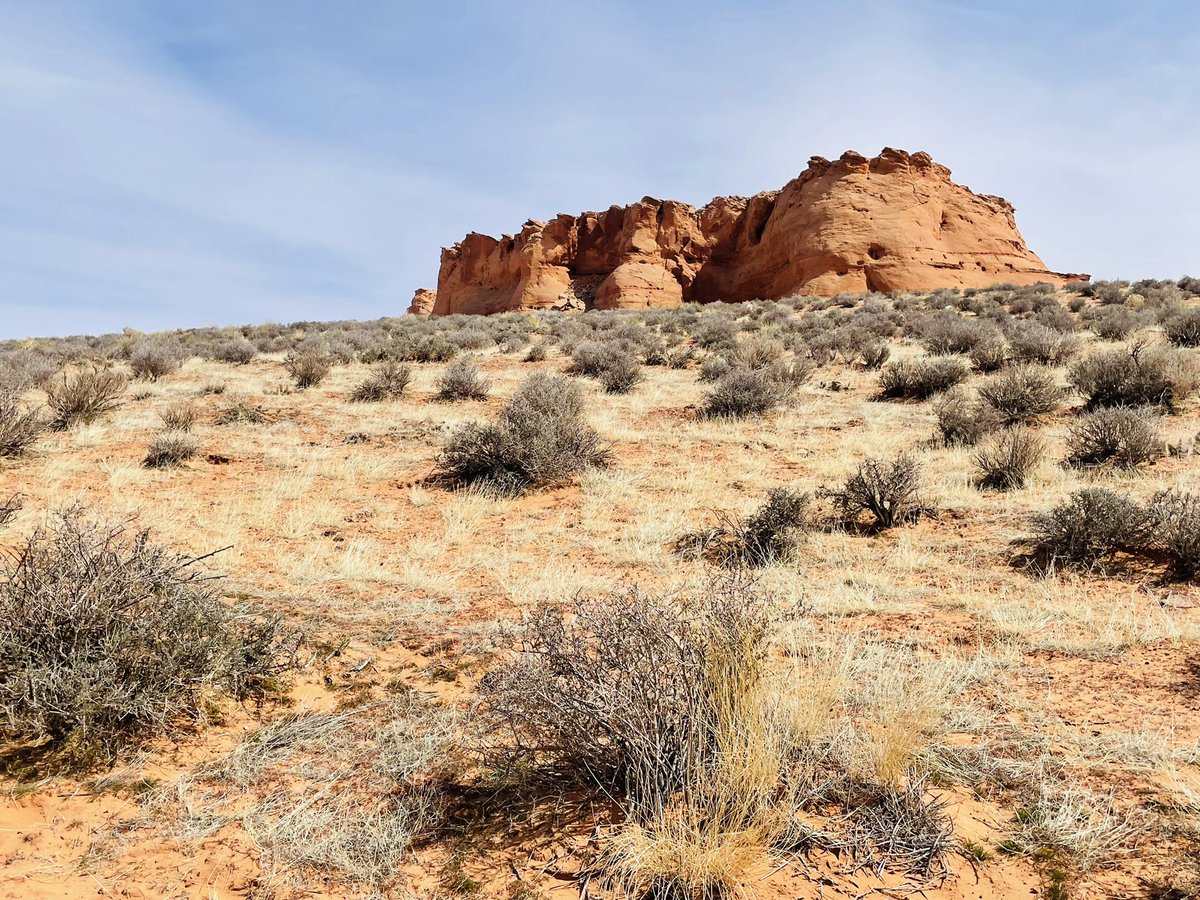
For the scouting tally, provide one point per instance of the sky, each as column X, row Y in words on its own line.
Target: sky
column 174, row 163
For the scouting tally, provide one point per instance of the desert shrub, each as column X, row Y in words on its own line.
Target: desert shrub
column 591, row 358
column 1008, row 459
column 153, row 358
column 1124, row 438
column 308, row 368
column 169, row 449
column 9, row 508
column 621, row 374
column 714, row 368
column 423, row 348
column 963, row 421
column 1189, row 283
column 536, row 352
column 757, row 353
column 990, row 353
column 946, row 333
column 237, row 351
column 1139, row 376
column 1112, row 323
column 19, row 427
column 766, row 536
column 1033, row 342
column 242, row 411
column 388, row 379
column 462, row 380
column 178, row 416
column 23, row 369
column 1176, row 523
column 639, row 696
column 752, row 392
column 1183, row 329
column 106, row 638
column 83, row 395
column 889, row 492
column 1021, row 394
column 539, row 439
column 715, row 333
column 1092, row 526
column 922, row 378
column 873, row 354
column 471, row 338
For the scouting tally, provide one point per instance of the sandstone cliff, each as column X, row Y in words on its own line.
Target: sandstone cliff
column 422, row 302
column 895, row 222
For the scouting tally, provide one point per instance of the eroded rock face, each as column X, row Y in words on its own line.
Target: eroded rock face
column 422, row 302
column 895, row 222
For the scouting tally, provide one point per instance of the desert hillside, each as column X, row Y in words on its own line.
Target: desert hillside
column 883, row 594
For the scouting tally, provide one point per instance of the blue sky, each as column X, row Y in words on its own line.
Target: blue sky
column 170, row 163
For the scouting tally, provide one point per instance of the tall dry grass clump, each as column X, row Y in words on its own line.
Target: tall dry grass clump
column 83, row 395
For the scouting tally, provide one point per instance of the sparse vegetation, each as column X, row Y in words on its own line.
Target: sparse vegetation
column 462, row 380
column 923, row 378
column 539, row 439
column 889, row 492
column 308, row 368
column 1007, row 460
column 1021, row 394
column 84, row 666
column 1139, row 376
column 169, row 449
column 1089, row 528
column 768, row 535
column 1123, row 438
column 388, row 380
column 83, row 395
column 743, row 392
column 153, row 358
column 19, row 426
column 179, row 416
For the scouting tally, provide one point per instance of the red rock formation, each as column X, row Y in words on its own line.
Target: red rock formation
column 422, row 302
column 895, row 222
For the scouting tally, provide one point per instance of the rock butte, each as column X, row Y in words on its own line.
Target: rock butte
column 894, row 222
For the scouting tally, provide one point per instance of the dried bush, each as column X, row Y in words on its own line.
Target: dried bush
column 963, row 421
column 1033, row 342
column 1112, row 323
column 714, row 368
column 83, row 395
column 1008, row 459
column 19, row 427
column 991, row 353
column 536, row 352
column 155, row 357
column 1176, row 523
column 308, row 368
column 9, row 508
column 752, row 392
column 1139, row 376
column 622, row 374
column 242, row 411
column 631, row 693
column 462, row 380
column 1092, row 526
column 945, row 333
column 1124, row 438
column 1183, row 329
column 387, row 380
column 592, row 358
column 922, row 378
column 178, row 416
column 757, row 353
column 23, row 369
column 539, row 439
column 169, row 449
column 1021, row 394
column 106, row 638
column 423, row 348
column 873, row 354
column 889, row 492
column 766, row 536
column 238, row 351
